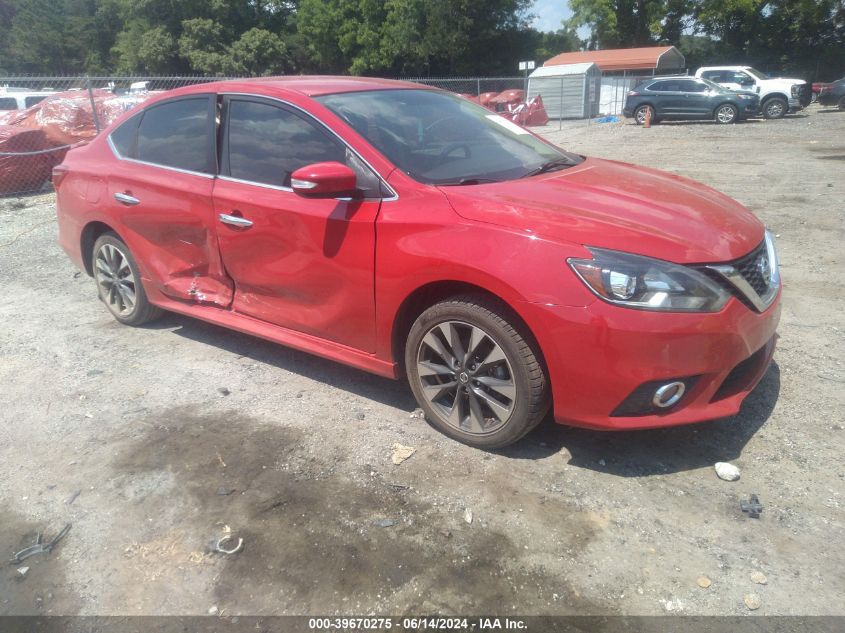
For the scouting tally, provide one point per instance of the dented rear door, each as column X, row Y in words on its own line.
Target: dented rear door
column 162, row 191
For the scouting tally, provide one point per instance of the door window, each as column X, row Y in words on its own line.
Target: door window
column 693, row 86
column 665, row 86
column 266, row 143
column 8, row 103
column 715, row 75
column 177, row 134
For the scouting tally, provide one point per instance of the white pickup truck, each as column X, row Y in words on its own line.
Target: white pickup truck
column 778, row 95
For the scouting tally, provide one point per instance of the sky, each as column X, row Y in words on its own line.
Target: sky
column 549, row 14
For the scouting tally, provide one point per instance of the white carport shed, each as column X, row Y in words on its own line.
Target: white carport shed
column 569, row 91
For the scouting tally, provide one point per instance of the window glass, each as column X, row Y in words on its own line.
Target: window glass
column 266, row 144
column 123, row 138
column 741, row 78
column 8, row 103
column 713, row 75
column 436, row 137
column 31, row 101
column 177, row 134
column 664, row 86
column 692, row 86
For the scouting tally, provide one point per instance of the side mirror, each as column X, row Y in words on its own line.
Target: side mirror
column 323, row 180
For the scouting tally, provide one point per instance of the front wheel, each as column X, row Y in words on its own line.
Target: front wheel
column 476, row 377
column 119, row 282
column 775, row 108
column 727, row 113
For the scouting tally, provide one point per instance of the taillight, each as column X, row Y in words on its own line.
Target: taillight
column 59, row 173
column 633, row 93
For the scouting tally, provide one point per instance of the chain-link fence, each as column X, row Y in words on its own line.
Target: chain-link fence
column 41, row 118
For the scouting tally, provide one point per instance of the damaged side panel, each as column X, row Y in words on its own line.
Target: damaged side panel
column 172, row 229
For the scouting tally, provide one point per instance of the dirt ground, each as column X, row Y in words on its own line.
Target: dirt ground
column 153, row 442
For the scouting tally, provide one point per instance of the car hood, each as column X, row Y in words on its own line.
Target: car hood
column 618, row 206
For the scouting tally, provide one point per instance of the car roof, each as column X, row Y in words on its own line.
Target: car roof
column 723, row 67
column 308, row 85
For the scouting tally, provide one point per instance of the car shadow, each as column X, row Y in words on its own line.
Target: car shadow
column 658, row 451
column 829, row 110
column 393, row 393
column 671, row 123
column 622, row 453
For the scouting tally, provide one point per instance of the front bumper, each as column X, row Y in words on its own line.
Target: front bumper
column 599, row 355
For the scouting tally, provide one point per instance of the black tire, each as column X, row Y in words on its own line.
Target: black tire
column 726, row 113
column 775, row 108
column 493, row 329
column 116, row 296
column 842, row 104
column 640, row 114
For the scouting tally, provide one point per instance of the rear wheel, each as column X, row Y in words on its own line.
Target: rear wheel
column 475, row 376
column 775, row 108
column 119, row 282
column 727, row 113
column 641, row 113
column 842, row 103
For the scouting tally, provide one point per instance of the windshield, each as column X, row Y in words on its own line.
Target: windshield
column 442, row 139
column 756, row 73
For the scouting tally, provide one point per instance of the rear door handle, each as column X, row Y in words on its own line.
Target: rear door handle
column 125, row 198
column 235, row 220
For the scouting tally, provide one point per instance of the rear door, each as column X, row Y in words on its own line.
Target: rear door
column 668, row 101
column 300, row 263
column 696, row 102
column 161, row 190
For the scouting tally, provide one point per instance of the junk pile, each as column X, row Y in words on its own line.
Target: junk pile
column 512, row 105
column 34, row 140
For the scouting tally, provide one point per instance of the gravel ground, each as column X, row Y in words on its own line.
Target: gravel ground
column 155, row 441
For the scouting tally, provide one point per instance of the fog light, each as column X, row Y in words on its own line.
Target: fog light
column 668, row 394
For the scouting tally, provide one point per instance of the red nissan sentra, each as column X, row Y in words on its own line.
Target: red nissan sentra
column 411, row 233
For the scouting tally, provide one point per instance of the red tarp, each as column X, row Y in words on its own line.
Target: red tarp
column 64, row 118
column 25, row 172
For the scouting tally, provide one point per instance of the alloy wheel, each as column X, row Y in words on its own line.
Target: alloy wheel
column 641, row 115
column 466, row 377
column 725, row 114
column 775, row 109
column 115, row 279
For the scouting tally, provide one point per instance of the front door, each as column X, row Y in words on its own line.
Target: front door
column 161, row 190
column 301, row 263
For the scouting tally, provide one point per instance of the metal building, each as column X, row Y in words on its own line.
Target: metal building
column 569, row 91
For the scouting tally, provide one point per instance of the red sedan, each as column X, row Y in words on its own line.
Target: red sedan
column 411, row 233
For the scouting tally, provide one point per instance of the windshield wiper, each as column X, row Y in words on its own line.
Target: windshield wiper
column 467, row 181
column 550, row 165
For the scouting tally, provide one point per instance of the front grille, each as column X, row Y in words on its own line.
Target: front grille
column 749, row 268
column 748, row 278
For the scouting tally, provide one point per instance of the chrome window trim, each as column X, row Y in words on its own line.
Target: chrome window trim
column 393, row 197
column 263, row 185
column 143, row 162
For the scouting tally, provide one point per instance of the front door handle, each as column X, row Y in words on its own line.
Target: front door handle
column 235, row 220
column 125, row 198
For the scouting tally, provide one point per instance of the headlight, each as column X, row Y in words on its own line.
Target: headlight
column 746, row 96
column 640, row 282
column 796, row 90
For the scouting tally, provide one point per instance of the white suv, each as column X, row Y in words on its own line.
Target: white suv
column 778, row 95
